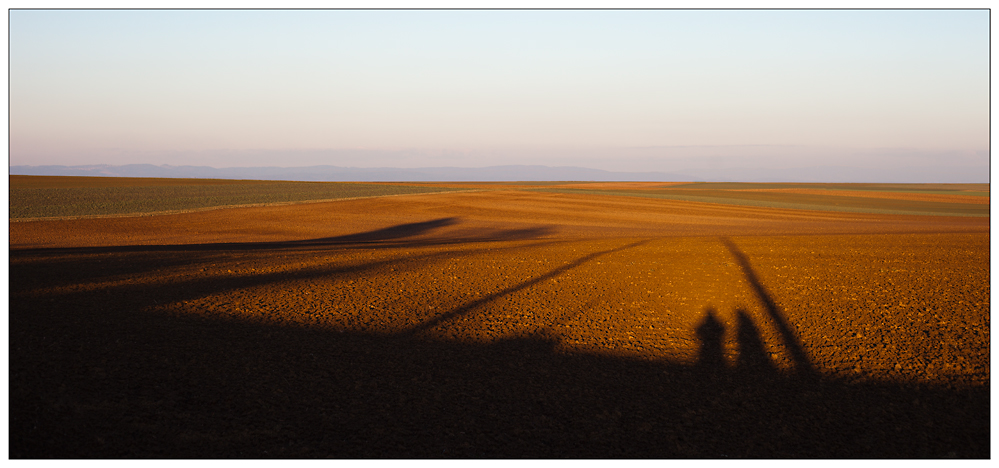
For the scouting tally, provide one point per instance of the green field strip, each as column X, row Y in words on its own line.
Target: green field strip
column 830, row 200
column 802, row 202
column 936, row 192
column 28, row 203
column 937, row 189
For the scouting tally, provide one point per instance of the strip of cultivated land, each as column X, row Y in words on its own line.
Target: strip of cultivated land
column 911, row 199
column 33, row 197
column 61, row 197
column 504, row 322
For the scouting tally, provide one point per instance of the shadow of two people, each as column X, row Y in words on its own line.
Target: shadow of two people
column 91, row 375
column 752, row 354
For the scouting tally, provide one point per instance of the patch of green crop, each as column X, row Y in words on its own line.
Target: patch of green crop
column 798, row 201
column 980, row 190
column 104, row 201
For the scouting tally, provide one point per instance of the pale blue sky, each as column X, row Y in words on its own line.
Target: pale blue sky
column 477, row 88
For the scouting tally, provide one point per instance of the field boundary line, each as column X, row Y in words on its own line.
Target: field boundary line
column 223, row 207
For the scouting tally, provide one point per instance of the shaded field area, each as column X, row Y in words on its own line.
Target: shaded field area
column 45, row 197
column 500, row 324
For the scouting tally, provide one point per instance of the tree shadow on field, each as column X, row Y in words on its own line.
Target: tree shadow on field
column 389, row 236
column 94, row 374
column 69, row 266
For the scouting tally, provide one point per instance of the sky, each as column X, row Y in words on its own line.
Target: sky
column 635, row 90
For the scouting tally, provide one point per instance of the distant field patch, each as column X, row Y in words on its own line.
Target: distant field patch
column 945, row 197
column 957, row 189
column 903, row 199
column 67, row 197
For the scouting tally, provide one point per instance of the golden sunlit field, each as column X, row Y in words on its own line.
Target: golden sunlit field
column 511, row 320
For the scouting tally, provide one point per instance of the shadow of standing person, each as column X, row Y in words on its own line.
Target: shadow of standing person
column 802, row 364
column 752, row 354
column 711, row 333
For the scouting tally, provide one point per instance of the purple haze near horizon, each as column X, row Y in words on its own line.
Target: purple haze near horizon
column 662, row 90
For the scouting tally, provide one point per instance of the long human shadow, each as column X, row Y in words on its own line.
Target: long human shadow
column 469, row 307
column 39, row 274
column 98, row 374
column 788, row 336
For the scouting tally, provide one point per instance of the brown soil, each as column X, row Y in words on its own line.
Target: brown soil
column 500, row 324
column 622, row 185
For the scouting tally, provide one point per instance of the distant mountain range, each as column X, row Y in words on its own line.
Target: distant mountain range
column 353, row 174
column 525, row 173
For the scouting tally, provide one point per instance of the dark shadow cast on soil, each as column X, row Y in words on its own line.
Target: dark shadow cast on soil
column 465, row 309
column 391, row 236
column 94, row 376
column 789, row 337
column 69, row 266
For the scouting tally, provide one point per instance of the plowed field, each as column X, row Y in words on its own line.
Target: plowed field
column 501, row 323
